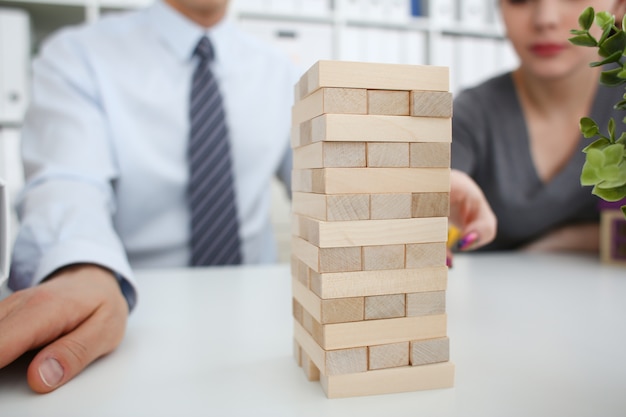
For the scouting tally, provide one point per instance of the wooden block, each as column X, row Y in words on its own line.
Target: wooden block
column 310, row 205
column 307, row 322
column 332, row 207
column 378, row 76
column 383, row 257
column 423, row 352
column 389, row 102
column 372, row 232
column 424, row 255
column 385, row 306
column 366, row 283
column 302, row 180
column 305, row 227
column 391, row 206
column 431, row 104
column 387, row 155
column 425, row 303
column 297, row 311
column 390, row 355
column 388, row 381
column 323, row 260
column 309, row 345
column 378, row 332
column 306, row 252
column 337, row 310
column 342, row 310
column 425, row 155
column 331, row 154
column 373, row 128
column 337, row 259
column 371, row 180
column 346, row 361
column 300, row 271
column 311, row 371
column 302, row 135
column 612, row 233
column 347, row 207
column 332, row 362
column 331, row 100
column 297, row 352
column 430, row 205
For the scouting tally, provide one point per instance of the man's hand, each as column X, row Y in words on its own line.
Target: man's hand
column 77, row 315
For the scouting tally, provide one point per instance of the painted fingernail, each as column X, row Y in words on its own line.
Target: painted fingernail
column 448, row 262
column 51, row 372
column 467, row 241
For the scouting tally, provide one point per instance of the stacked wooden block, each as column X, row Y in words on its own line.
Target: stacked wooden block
column 371, row 185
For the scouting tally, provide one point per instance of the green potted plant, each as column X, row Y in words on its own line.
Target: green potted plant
column 605, row 163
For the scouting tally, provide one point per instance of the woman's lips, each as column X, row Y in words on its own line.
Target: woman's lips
column 546, row 49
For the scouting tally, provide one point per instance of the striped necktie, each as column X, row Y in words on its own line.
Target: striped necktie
column 214, row 225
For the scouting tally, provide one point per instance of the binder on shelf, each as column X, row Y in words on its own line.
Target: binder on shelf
column 4, row 233
column 304, row 42
column 253, row 6
column 440, row 12
column 14, row 64
column 351, row 9
column 318, row 8
column 473, row 13
column 398, row 11
column 287, row 7
column 416, row 8
column 414, row 48
column 351, row 47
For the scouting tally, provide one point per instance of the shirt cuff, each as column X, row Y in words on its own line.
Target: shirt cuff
column 128, row 291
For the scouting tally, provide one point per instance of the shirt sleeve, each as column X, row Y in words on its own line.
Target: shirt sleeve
column 66, row 207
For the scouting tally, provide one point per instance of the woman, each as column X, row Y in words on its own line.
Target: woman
column 517, row 134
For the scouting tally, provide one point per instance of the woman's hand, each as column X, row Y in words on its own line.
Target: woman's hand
column 470, row 212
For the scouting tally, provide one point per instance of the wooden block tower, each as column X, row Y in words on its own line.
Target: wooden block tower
column 371, row 185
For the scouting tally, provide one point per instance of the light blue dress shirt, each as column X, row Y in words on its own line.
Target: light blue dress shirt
column 104, row 143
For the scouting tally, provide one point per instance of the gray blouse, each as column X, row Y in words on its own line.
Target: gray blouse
column 490, row 143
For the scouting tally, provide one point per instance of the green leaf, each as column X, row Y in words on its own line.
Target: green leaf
column 589, row 175
column 612, row 194
column 604, row 19
column 612, row 177
column 598, row 144
column 584, row 40
column 624, row 210
column 622, row 139
column 578, row 32
column 611, row 78
column 605, row 34
column 588, row 127
column 620, row 105
column 586, row 18
column 615, row 57
column 613, row 44
column 595, row 157
column 612, row 129
column 613, row 154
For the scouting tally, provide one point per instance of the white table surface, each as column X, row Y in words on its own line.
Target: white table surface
column 531, row 335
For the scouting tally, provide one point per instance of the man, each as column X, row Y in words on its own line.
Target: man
column 105, row 153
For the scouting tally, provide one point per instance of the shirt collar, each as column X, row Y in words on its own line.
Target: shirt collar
column 181, row 35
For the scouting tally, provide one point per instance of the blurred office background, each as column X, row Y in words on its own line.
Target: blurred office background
column 465, row 35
